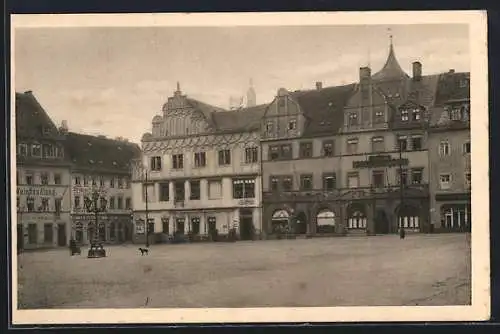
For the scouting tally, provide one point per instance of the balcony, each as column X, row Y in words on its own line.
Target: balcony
column 316, row 195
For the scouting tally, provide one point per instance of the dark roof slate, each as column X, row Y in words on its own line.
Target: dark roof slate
column 100, row 153
column 245, row 119
column 391, row 69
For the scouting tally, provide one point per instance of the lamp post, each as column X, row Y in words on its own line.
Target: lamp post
column 142, row 172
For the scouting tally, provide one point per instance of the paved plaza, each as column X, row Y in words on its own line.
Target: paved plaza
column 350, row 271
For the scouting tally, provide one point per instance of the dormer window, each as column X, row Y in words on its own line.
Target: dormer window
column 292, row 125
column 456, row 113
column 36, row 150
column 416, row 114
column 353, row 118
column 46, row 130
column 23, row 149
column 404, row 115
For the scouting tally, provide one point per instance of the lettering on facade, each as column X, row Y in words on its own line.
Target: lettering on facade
column 375, row 161
column 36, row 191
column 246, row 202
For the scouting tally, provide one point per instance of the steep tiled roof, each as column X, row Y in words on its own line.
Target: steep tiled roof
column 206, row 109
column 32, row 121
column 100, row 153
column 246, row 119
column 450, row 87
column 323, row 108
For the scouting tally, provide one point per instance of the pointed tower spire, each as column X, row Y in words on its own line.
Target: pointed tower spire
column 391, row 70
column 251, row 96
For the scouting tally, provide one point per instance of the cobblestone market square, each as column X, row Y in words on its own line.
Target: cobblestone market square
column 352, row 271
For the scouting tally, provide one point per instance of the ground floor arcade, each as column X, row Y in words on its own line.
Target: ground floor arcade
column 347, row 217
column 165, row 224
column 451, row 213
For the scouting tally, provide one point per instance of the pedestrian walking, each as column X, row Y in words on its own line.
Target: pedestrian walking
column 402, row 233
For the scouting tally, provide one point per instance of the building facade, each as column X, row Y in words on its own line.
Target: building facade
column 199, row 172
column 449, row 155
column 101, row 165
column 351, row 159
column 42, row 178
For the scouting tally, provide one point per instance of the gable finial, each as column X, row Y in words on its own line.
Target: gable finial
column 390, row 36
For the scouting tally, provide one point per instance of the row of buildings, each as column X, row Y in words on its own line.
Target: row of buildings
column 56, row 170
column 391, row 150
column 387, row 152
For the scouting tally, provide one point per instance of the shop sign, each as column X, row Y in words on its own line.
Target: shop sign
column 246, row 202
column 375, row 161
column 40, row 191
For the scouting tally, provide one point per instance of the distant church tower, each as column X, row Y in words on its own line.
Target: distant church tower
column 251, row 97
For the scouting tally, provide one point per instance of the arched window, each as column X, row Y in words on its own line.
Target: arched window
column 409, row 217
column 357, row 221
column 325, row 222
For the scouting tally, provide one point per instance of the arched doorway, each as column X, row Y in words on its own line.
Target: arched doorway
column 408, row 217
column 325, row 222
column 301, row 223
column 381, row 222
column 356, row 217
column 280, row 221
column 456, row 217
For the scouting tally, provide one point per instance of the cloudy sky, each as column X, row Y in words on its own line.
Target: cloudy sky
column 112, row 81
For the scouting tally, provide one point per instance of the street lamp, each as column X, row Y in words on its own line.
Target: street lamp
column 95, row 203
column 142, row 173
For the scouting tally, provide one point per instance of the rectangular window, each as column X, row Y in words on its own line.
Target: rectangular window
column 378, row 144
column 30, row 204
column 179, row 191
column 76, row 201
column 103, row 202
column 164, row 192
column 195, row 190
column 94, row 181
column 112, row 182
column 195, row 225
column 86, row 180
column 119, row 203
column 251, row 155
column 179, row 225
column 416, row 114
column 269, row 127
column 445, row 181
column 306, row 182
column 379, row 116
column 224, row 157
column 286, row 151
column 416, row 176
column 48, row 151
column 44, row 178
column 45, row 204
column 416, row 143
column 178, row 161
column 292, row 125
column 404, row 115
column 165, row 224
column 274, row 183
column 77, row 180
column 120, row 183
column 243, row 188
column 151, row 226
column 287, row 183
column 352, row 146
column 155, row 163
column 328, row 148
column 58, row 206
column 48, row 236
column 467, row 180
column 29, row 178
column 329, row 181
column 274, row 153
column 128, row 203
column 111, row 203
column 306, row 150
column 402, row 143
column 57, row 178
column 353, row 119
column 36, row 150
column 200, row 159
column 23, row 149
column 444, row 148
column 214, row 189
column 32, row 234
column 378, row 178
column 402, row 175
column 352, row 180
column 101, row 181
column 466, row 147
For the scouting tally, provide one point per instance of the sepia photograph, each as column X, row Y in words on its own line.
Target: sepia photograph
column 263, row 167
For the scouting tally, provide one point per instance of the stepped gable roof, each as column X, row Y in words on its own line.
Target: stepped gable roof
column 244, row 119
column 391, row 69
column 323, row 108
column 32, row 121
column 100, row 153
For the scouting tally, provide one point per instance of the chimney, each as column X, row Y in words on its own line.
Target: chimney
column 28, row 92
column 319, row 85
column 417, row 71
column 451, row 71
column 64, row 126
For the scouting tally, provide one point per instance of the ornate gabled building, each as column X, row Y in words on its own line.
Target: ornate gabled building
column 104, row 165
column 449, row 154
column 42, row 177
column 200, row 171
column 364, row 168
